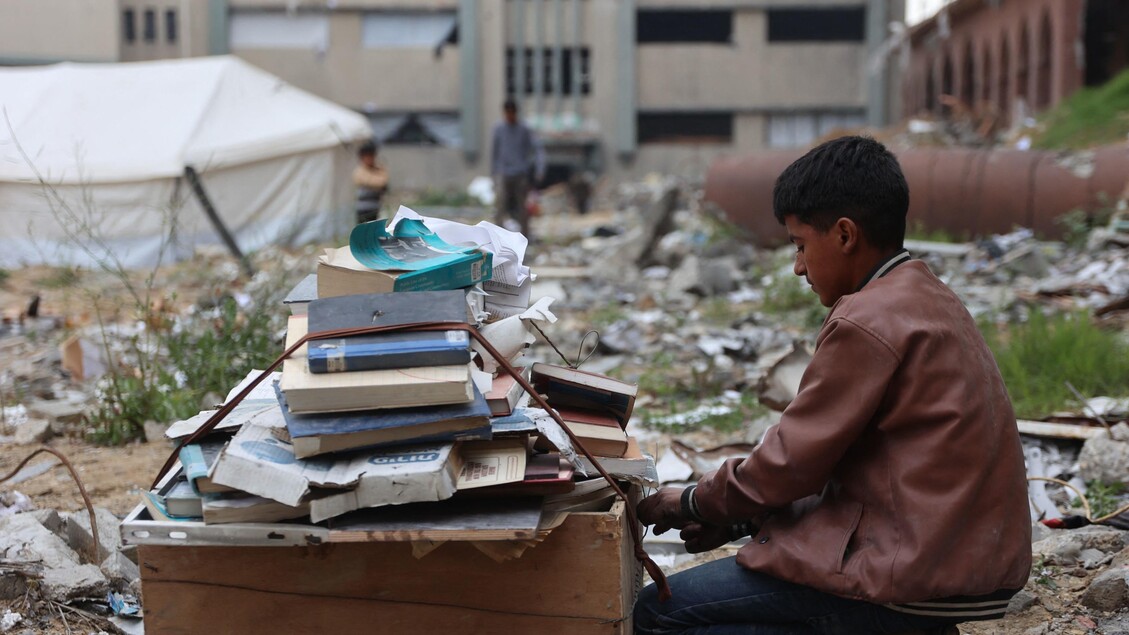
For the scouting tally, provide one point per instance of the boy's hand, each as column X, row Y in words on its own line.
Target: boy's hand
column 700, row 537
column 663, row 509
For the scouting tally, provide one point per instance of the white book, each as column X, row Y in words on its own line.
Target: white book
column 257, row 462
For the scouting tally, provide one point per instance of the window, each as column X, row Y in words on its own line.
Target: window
column 129, row 26
column 150, row 32
column 568, row 58
column 417, row 128
column 685, row 127
column 794, row 130
column 396, row 29
column 170, row 25
column 684, row 26
column 278, row 30
column 830, row 24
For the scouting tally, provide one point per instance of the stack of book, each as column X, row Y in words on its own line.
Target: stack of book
column 399, row 418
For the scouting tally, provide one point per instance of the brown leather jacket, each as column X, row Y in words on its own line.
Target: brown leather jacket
column 896, row 475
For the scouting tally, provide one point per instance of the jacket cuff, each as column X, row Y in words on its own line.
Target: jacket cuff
column 689, row 506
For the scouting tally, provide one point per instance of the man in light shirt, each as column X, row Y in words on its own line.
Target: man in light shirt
column 516, row 156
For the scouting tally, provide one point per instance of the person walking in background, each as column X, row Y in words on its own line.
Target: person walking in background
column 516, row 155
column 371, row 180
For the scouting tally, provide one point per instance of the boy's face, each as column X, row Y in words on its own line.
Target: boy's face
column 821, row 259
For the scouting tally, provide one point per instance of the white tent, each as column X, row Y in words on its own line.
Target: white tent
column 96, row 155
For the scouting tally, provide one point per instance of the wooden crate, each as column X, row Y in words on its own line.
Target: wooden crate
column 581, row 579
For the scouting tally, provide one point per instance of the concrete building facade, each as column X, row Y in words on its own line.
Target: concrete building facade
column 619, row 87
column 1014, row 56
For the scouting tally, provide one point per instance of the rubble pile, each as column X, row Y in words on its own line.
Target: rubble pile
column 713, row 329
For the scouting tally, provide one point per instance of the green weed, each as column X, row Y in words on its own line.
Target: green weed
column 61, row 278
column 1038, row 357
column 1078, row 223
column 786, row 294
column 1105, row 498
column 722, row 415
column 5, row 275
column 918, row 231
column 1089, row 117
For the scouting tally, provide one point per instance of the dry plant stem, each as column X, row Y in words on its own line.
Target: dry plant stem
column 1085, row 407
column 633, row 523
column 81, row 490
column 1082, row 497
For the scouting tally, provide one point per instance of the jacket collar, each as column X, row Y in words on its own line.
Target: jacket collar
column 884, row 267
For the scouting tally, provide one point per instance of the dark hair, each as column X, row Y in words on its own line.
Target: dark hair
column 367, row 148
column 509, row 104
column 852, row 177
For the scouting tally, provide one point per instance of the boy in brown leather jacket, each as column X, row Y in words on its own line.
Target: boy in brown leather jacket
column 891, row 497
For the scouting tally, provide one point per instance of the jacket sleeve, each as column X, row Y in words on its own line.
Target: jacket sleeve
column 839, row 394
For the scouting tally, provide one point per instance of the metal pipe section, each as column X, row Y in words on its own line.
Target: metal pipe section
column 965, row 192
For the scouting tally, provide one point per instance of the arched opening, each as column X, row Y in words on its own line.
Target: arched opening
column 947, row 80
column 967, row 83
column 930, row 87
column 986, row 74
column 1005, row 78
column 1022, row 67
column 1046, row 47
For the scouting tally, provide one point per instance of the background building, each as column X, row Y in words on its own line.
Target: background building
column 617, row 87
column 1014, row 56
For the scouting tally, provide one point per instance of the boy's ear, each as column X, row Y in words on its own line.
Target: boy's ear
column 847, row 234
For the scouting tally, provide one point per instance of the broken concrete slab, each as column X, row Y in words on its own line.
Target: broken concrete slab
column 781, row 383
column 34, row 431
column 61, row 413
column 120, row 569
column 1104, row 459
column 1109, row 591
column 23, row 539
column 1021, row 602
column 50, row 519
column 1065, row 547
column 80, row 537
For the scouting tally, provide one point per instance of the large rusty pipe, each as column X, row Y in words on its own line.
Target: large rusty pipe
column 964, row 192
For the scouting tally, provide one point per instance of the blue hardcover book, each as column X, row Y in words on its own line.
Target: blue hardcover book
column 403, row 349
column 316, row 434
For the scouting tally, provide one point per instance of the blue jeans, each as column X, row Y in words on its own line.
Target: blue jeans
column 724, row 597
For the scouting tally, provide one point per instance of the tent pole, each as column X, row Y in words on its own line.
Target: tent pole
column 206, row 203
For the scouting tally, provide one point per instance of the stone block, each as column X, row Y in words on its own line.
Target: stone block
column 62, row 414
column 80, row 537
column 1104, row 460
column 34, row 431
column 1109, row 591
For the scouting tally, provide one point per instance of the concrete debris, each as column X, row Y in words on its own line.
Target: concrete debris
column 1065, row 547
column 80, row 538
column 780, row 384
column 1021, row 602
column 23, row 539
column 1109, row 591
column 119, row 569
column 62, row 414
column 13, row 503
column 1105, row 460
column 8, row 620
column 34, row 430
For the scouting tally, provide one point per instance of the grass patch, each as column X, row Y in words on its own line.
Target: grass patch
column 786, row 294
column 722, row 414
column 918, row 231
column 5, row 275
column 208, row 353
column 444, row 197
column 61, row 278
column 1105, row 498
column 1038, row 357
column 1089, row 117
